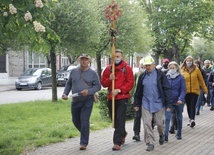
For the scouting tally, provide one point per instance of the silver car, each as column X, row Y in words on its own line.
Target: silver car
column 34, row 78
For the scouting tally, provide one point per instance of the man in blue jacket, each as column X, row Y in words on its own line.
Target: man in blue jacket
column 154, row 91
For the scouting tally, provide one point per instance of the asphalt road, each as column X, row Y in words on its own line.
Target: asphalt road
column 14, row 96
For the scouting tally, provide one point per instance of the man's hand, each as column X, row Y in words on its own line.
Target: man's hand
column 112, row 76
column 179, row 102
column 84, row 92
column 168, row 109
column 115, row 92
column 64, row 97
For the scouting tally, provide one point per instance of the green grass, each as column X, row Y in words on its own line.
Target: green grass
column 24, row 126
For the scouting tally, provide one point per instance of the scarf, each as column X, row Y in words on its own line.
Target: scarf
column 172, row 76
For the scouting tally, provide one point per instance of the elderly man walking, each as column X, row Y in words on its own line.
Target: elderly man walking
column 154, row 91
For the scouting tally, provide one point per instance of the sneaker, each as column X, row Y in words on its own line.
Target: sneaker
column 136, row 137
column 150, row 147
column 212, row 108
column 188, row 124
column 116, row 147
column 192, row 124
column 123, row 139
column 161, row 140
column 82, row 147
column 197, row 113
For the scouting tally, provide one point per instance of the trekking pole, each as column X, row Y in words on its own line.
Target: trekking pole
column 112, row 12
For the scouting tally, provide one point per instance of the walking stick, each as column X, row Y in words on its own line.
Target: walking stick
column 112, row 12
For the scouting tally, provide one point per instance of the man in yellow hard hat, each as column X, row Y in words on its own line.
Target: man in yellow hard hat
column 154, row 92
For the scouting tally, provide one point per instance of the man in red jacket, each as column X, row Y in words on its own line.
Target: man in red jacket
column 124, row 81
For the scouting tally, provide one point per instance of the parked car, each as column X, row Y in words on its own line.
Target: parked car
column 63, row 76
column 34, row 78
column 63, row 68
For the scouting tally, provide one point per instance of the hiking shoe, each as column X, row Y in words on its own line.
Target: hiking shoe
column 212, row 108
column 172, row 131
column 116, row 147
column 192, row 124
column 124, row 138
column 161, row 140
column 150, row 147
column 136, row 137
column 82, row 147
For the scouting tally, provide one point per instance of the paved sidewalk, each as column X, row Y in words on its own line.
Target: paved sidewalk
column 196, row 141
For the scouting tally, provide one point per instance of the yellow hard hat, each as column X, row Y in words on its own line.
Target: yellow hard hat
column 148, row 60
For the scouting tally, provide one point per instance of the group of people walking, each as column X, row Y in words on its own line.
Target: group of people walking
column 158, row 95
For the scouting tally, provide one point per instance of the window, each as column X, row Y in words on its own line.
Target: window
column 36, row 60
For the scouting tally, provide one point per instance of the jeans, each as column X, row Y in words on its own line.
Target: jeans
column 200, row 100
column 212, row 101
column 81, row 112
column 120, row 119
column 168, row 114
column 209, row 96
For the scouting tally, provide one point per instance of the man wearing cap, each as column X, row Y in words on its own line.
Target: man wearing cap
column 85, row 82
column 124, row 81
column 154, row 91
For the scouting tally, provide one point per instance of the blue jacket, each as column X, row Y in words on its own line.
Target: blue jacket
column 163, row 87
column 178, row 86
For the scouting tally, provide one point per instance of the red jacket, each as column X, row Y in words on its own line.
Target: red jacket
column 124, row 80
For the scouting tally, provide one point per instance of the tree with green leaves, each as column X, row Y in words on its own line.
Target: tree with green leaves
column 132, row 32
column 202, row 49
column 174, row 22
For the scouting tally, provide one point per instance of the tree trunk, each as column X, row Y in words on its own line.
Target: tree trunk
column 53, row 70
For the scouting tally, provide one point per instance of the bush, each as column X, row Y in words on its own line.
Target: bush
column 104, row 109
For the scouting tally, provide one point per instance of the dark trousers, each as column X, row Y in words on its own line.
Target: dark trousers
column 191, row 100
column 120, row 119
column 137, row 121
column 81, row 112
column 173, row 121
